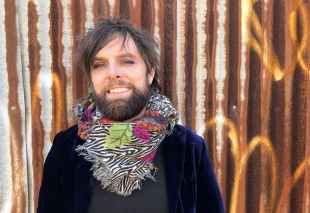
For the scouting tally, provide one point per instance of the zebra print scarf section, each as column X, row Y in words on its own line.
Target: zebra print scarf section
column 122, row 153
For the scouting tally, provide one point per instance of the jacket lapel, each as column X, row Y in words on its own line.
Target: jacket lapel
column 82, row 186
column 174, row 156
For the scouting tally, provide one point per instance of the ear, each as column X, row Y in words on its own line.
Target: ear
column 150, row 76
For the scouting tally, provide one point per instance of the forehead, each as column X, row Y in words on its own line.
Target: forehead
column 119, row 45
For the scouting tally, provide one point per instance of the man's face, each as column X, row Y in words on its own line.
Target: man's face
column 120, row 79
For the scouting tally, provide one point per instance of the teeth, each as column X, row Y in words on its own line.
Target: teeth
column 118, row 90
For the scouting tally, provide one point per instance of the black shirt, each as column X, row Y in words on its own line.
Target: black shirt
column 152, row 198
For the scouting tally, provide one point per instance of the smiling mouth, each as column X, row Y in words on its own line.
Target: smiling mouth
column 118, row 90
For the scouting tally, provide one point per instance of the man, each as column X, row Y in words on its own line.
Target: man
column 127, row 154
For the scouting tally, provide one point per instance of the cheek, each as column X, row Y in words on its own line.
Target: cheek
column 140, row 81
column 141, row 76
column 97, row 82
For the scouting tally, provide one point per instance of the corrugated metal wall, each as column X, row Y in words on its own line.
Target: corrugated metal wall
column 237, row 70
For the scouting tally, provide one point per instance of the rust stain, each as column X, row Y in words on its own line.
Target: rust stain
column 233, row 93
column 124, row 9
column 161, row 35
column 190, row 64
column 37, row 125
column 148, row 15
column 16, row 138
column 306, row 196
column 243, row 118
column 136, row 12
column 267, row 115
column 223, row 159
column 100, row 8
column 210, row 91
column 298, row 133
column 167, row 32
column 116, row 9
column 58, row 71
column 79, row 78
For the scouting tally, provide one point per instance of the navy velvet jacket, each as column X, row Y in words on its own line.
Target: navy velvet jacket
column 191, row 183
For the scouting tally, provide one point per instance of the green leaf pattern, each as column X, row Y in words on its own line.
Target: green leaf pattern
column 119, row 134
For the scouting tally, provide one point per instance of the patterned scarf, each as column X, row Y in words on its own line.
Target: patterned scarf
column 122, row 153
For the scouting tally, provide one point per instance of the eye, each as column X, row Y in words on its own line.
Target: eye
column 127, row 61
column 98, row 65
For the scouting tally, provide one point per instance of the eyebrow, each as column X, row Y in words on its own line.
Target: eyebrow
column 122, row 55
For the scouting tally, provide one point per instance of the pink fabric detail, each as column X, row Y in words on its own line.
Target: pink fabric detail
column 149, row 157
column 141, row 133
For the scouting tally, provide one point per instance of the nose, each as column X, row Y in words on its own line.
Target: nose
column 113, row 70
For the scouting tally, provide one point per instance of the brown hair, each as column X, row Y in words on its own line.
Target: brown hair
column 104, row 31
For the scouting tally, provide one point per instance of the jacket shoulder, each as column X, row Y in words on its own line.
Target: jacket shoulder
column 67, row 133
column 187, row 136
column 64, row 141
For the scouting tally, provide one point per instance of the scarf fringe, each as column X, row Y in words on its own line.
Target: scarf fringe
column 124, row 185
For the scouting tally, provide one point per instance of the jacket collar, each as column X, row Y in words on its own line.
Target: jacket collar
column 82, row 186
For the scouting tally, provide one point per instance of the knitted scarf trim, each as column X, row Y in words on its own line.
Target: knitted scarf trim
column 122, row 153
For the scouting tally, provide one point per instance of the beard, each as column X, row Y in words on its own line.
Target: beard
column 122, row 109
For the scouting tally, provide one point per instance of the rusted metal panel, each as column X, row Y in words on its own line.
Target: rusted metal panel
column 238, row 72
